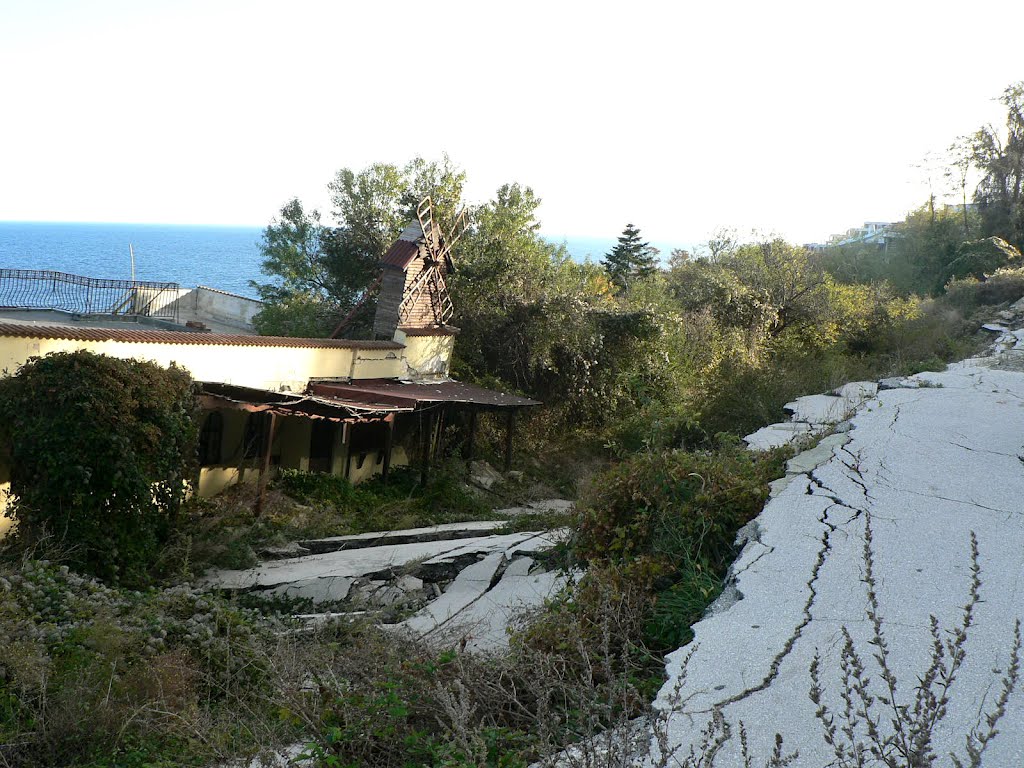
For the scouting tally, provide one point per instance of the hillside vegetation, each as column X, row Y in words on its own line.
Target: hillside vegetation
column 650, row 371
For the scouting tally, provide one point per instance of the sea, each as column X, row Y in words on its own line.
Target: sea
column 226, row 258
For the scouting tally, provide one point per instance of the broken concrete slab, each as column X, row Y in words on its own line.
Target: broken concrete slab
column 926, row 466
column 819, row 409
column 819, row 454
column 296, row 576
column 477, row 610
column 443, row 532
column 857, row 391
column 519, row 590
column 776, row 435
column 898, row 382
column 469, row 586
column 293, row 549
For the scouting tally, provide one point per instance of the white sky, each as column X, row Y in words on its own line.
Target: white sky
column 801, row 118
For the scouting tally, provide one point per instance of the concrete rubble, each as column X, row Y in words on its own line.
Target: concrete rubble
column 927, row 461
column 456, row 584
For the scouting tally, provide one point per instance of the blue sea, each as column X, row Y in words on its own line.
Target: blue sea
column 226, row 258
column 219, row 257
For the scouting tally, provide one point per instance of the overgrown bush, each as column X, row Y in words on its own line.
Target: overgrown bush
column 383, row 699
column 99, row 675
column 668, row 522
column 676, row 505
column 101, row 452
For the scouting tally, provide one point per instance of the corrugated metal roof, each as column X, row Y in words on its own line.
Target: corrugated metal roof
column 151, row 336
column 400, row 254
column 218, row 395
column 385, row 392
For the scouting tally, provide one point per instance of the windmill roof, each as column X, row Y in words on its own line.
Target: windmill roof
column 400, row 254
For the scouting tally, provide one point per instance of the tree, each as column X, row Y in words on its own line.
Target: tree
column 541, row 322
column 631, row 259
column 101, row 452
column 999, row 155
column 320, row 273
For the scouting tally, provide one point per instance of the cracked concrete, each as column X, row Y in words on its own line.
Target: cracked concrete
column 928, row 460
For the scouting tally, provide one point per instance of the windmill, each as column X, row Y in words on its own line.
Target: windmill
column 437, row 262
column 412, row 288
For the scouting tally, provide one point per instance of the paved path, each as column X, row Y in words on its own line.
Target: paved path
column 925, row 467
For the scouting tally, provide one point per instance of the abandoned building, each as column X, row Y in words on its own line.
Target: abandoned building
column 354, row 408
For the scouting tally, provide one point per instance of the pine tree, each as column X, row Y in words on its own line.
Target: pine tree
column 631, row 259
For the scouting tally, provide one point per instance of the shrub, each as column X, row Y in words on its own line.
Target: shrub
column 675, row 506
column 101, row 452
column 96, row 675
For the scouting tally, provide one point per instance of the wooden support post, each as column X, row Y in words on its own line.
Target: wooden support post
column 389, row 433
column 471, row 438
column 346, row 445
column 439, row 431
column 510, row 430
column 268, row 447
column 426, row 440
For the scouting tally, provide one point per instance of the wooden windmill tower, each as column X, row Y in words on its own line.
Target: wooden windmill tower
column 413, row 290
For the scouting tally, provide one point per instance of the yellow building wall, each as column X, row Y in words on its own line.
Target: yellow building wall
column 279, row 369
column 427, row 355
column 5, row 522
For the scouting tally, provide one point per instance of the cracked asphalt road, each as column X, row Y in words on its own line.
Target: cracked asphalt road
column 926, row 466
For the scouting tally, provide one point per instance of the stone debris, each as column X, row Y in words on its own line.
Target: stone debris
column 547, row 506
column 483, row 475
column 929, row 460
column 294, row 549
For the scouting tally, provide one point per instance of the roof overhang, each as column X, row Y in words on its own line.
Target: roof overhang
column 390, row 393
column 216, row 395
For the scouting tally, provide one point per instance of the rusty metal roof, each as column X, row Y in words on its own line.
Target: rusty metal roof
column 390, row 393
column 218, row 395
column 152, row 336
column 432, row 330
column 400, row 254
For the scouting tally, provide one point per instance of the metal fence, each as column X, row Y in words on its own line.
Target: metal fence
column 45, row 289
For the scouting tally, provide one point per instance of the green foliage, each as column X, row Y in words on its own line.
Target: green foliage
column 532, row 317
column 321, row 272
column 675, row 507
column 374, row 506
column 999, row 155
column 97, row 675
column 224, row 532
column 967, row 295
column 981, row 258
column 630, row 260
column 102, row 451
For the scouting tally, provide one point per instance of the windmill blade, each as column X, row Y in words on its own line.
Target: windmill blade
column 425, row 214
column 455, row 234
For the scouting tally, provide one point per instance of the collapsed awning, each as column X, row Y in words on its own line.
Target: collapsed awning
column 392, row 394
column 214, row 395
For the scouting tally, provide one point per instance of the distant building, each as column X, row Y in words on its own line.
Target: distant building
column 873, row 232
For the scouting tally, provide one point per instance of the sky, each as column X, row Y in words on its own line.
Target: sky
column 794, row 118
